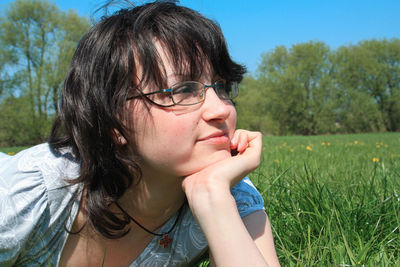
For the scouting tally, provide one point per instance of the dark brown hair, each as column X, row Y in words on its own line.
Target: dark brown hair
column 101, row 77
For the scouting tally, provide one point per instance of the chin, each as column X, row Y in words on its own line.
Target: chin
column 199, row 164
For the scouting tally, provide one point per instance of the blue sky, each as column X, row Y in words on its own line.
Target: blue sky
column 254, row 27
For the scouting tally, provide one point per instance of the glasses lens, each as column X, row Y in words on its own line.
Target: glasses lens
column 226, row 90
column 233, row 89
column 187, row 93
column 162, row 98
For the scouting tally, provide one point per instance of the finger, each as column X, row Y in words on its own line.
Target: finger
column 234, row 140
column 250, row 158
column 254, row 140
column 243, row 141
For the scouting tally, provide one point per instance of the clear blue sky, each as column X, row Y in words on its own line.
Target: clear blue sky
column 253, row 27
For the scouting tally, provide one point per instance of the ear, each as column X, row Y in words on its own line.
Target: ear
column 119, row 139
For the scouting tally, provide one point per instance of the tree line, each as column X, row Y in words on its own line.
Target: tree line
column 310, row 89
column 305, row 89
column 37, row 41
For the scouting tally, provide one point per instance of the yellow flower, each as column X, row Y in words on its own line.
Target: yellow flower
column 378, row 146
column 291, row 149
column 356, row 142
column 309, row 148
column 329, row 143
column 375, row 160
column 11, row 153
column 323, row 143
column 276, row 161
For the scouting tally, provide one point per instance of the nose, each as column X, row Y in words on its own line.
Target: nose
column 215, row 108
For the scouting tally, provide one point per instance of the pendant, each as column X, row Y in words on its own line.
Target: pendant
column 165, row 241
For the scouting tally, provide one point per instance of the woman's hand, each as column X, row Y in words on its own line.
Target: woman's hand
column 213, row 206
column 246, row 149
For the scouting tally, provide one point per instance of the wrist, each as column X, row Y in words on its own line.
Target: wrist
column 208, row 208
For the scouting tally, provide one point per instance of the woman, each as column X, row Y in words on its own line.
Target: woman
column 144, row 166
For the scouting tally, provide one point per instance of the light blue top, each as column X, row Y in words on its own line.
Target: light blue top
column 37, row 205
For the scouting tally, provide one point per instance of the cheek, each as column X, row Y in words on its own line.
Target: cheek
column 233, row 118
column 165, row 141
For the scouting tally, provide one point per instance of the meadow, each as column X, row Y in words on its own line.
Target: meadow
column 332, row 200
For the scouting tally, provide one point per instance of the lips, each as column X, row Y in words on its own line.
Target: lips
column 219, row 137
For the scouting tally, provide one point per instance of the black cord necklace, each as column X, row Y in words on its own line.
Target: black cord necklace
column 165, row 240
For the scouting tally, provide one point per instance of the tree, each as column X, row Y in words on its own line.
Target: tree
column 252, row 107
column 370, row 71
column 42, row 39
column 384, row 82
column 301, row 89
column 16, row 126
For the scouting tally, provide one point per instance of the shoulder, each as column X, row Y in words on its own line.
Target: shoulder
column 247, row 197
column 33, row 200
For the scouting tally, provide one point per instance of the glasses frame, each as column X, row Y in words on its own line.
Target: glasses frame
column 203, row 92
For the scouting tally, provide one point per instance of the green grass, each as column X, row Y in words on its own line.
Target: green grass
column 12, row 150
column 332, row 200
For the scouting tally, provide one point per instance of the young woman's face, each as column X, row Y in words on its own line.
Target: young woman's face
column 182, row 140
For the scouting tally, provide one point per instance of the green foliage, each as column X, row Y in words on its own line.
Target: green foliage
column 16, row 128
column 252, row 108
column 12, row 150
column 333, row 200
column 372, row 68
column 300, row 88
column 37, row 42
column 309, row 89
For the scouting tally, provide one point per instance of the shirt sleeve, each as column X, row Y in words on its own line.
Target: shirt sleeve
column 37, row 205
column 248, row 199
column 23, row 206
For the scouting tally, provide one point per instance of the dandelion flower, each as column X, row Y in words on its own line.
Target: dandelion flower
column 356, row 142
column 323, row 143
column 10, row 153
column 309, row 148
column 329, row 143
column 375, row 160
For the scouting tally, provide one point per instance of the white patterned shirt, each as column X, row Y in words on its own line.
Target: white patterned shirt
column 37, row 206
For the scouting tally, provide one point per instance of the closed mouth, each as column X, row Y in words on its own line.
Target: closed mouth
column 217, row 137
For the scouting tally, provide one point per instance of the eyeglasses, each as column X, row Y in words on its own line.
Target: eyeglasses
column 190, row 93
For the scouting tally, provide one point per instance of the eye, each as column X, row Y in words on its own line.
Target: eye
column 186, row 92
column 184, row 89
column 162, row 98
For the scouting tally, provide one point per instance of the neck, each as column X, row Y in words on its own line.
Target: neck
column 155, row 198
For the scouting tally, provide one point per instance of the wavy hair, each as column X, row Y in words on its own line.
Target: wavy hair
column 104, row 72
